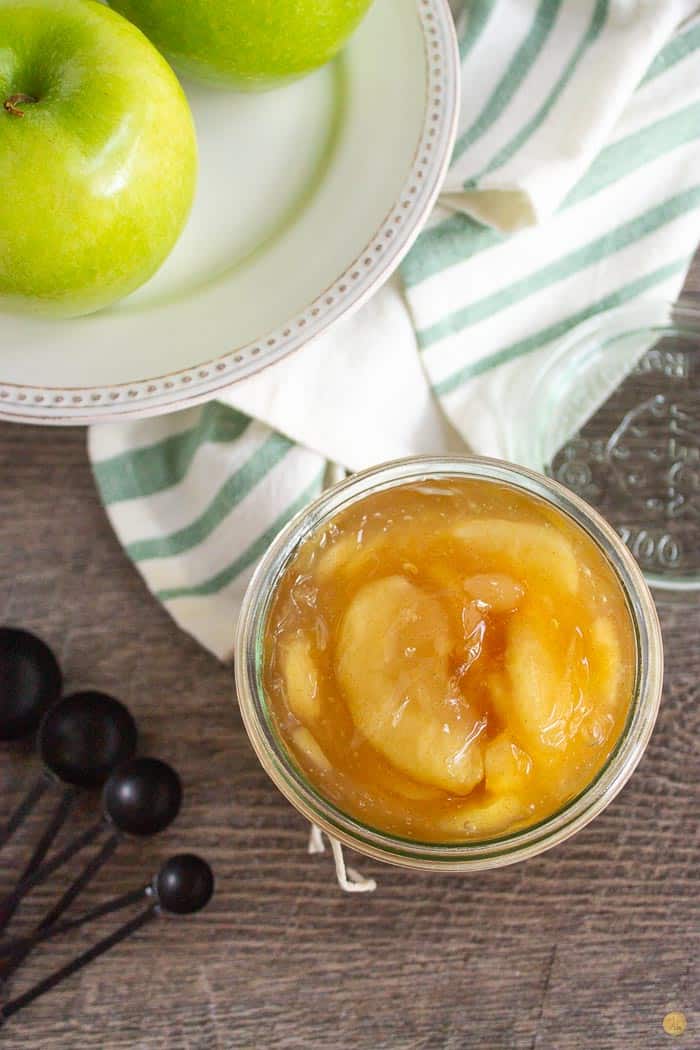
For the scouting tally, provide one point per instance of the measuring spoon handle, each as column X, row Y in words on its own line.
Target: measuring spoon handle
column 15, row 1005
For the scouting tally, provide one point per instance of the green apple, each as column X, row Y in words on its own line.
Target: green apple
column 98, row 157
column 247, row 43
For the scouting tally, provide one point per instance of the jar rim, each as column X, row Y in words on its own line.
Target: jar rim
column 480, row 854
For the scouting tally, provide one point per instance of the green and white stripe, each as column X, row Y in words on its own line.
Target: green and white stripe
column 580, row 130
column 486, row 305
column 195, row 498
column 543, row 84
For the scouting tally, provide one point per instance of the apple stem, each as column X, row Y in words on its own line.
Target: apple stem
column 10, row 104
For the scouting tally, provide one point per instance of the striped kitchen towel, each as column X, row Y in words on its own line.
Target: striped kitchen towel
column 573, row 189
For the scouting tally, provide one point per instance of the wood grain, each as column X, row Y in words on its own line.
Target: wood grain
column 587, row 946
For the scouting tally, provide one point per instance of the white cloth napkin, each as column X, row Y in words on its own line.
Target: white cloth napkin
column 573, row 190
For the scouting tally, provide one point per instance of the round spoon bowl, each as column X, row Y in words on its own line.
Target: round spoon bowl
column 84, row 737
column 143, row 796
column 30, row 681
column 184, row 884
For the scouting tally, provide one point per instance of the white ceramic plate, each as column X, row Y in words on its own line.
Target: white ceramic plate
column 308, row 199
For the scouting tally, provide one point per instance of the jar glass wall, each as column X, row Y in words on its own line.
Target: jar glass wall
column 517, row 845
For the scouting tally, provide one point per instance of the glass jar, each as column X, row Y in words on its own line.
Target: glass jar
column 614, row 414
column 280, row 763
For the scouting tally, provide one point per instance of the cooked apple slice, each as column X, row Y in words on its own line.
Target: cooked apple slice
column 335, row 557
column 605, row 669
column 499, row 592
column 301, row 680
column 483, row 818
column 346, row 554
column 506, row 766
column 448, row 579
column 540, row 691
column 449, row 590
column 498, row 687
column 392, row 664
column 605, row 661
column 396, row 783
column 527, row 550
column 306, row 742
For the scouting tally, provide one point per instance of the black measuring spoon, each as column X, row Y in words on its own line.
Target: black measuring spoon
column 30, row 681
column 81, row 740
column 184, row 885
column 155, row 815
column 185, row 871
column 141, row 797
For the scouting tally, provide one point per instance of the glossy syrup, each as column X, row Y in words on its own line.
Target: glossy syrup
column 449, row 661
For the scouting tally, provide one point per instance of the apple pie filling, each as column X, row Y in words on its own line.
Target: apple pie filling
column 449, row 661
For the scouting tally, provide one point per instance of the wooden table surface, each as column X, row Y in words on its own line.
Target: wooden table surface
column 588, row 946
